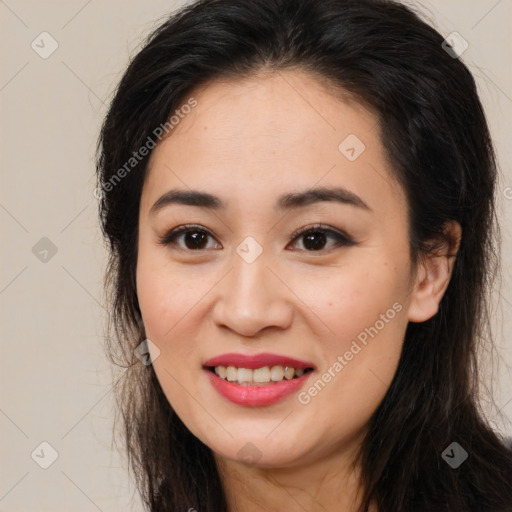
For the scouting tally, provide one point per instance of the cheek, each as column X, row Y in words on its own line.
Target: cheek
column 162, row 296
column 164, row 300
column 366, row 311
column 349, row 301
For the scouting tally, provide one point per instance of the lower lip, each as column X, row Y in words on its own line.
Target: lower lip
column 256, row 396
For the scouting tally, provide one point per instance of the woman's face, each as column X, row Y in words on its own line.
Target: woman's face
column 336, row 300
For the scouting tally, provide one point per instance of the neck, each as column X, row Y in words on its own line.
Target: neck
column 322, row 485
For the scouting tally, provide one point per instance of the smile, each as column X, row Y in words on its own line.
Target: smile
column 256, row 380
column 259, row 376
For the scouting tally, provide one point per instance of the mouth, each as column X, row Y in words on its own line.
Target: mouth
column 259, row 380
column 263, row 376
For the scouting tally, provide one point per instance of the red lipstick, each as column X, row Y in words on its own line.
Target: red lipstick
column 256, row 396
column 256, row 361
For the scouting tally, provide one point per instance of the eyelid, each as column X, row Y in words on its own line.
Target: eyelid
column 170, row 235
column 325, row 228
column 343, row 239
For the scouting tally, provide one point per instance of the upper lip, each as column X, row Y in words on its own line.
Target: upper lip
column 256, row 361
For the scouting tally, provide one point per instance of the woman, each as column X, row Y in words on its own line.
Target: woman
column 298, row 200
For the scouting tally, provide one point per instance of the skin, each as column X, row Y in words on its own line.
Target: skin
column 247, row 142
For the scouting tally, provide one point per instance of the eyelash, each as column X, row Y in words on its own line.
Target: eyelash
column 342, row 239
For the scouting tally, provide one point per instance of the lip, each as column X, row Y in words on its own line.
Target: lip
column 256, row 361
column 256, row 396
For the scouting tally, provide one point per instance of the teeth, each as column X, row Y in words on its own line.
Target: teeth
column 265, row 375
column 289, row 372
column 260, row 374
column 243, row 375
column 221, row 371
column 231, row 373
column 277, row 373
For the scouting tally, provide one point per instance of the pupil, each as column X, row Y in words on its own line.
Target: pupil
column 196, row 239
column 315, row 245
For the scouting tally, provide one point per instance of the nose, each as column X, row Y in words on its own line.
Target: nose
column 252, row 298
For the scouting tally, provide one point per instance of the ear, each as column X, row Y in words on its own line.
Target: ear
column 433, row 275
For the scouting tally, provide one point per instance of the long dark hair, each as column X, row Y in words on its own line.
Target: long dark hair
column 434, row 130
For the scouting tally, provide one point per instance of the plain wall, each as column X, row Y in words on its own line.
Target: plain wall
column 55, row 380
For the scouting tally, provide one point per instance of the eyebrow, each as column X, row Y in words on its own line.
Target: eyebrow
column 285, row 202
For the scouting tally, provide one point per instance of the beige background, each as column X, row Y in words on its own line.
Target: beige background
column 55, row 381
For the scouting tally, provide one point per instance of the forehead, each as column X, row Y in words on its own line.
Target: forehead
column 270, row 132
column 280, row 109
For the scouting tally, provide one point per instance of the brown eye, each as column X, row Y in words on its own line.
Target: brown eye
column 194, row 238
column 315, row 238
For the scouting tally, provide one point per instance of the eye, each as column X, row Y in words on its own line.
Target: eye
column 195, row 238
column 314, row 237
